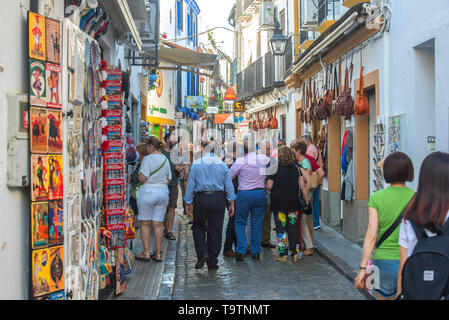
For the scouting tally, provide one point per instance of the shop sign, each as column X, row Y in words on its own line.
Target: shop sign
column 178, row 115
column 230, row 95
column 224, row 118
column 212, row 109
column 239, row 106
column 195, row 102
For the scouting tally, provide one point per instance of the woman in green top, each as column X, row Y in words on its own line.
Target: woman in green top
column 385, row 206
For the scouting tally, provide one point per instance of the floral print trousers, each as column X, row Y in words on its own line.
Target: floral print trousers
column 287, row 232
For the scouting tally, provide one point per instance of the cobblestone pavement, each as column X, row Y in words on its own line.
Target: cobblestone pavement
column 310, row 278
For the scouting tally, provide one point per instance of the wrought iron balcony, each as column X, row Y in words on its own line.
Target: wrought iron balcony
column 258, row 77
column 328, row 10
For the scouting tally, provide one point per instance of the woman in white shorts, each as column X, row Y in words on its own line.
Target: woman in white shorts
column 152, row 197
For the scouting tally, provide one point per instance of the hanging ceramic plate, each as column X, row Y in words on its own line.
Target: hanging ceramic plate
column 98, row 200
column 91, row 142
column 85, row 130
column 94, row 55
column 86, row 159
column 97, row 87
column 91, row 111
column 99, row 158
column 83, row 207
column 89, row 84
column 88, row 207
column 94, row 181
column 94, row 206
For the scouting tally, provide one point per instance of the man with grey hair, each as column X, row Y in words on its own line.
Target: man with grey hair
column 312, row 151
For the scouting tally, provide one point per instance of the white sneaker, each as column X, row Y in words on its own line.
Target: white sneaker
column 316, row 228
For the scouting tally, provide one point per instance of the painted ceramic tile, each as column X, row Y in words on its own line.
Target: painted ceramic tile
column 39, row 177
column 56, row 222
column 54, row 84
column 36, row 27
column 38, row 87
column 53, row 40
column 39, row 223
column 55, row 183
column 38, row 120
column 54, row 126
column 41, row 272
column 56, row 268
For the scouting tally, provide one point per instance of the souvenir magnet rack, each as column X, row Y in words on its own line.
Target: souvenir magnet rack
column 47, row 280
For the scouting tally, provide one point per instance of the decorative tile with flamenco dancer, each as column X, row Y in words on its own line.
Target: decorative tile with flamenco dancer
column 54, row 84
column 38, row 86
column 38, row 128
column 55, row 181
column 56, row 268
column 56, row 222
column 39, row 222
column 36, row 34
column 54, row 127
column 53, row 40
column 39, row 177
column 41, row 272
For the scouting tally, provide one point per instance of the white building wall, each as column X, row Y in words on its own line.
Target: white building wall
column 413, row 24
column 14, row 229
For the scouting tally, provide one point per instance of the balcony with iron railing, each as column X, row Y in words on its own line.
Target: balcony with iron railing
column 328, row 13
column 260, row 76
column 245, row 9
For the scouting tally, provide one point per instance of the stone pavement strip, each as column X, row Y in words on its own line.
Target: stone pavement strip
column 327, row 275
column 310, row 278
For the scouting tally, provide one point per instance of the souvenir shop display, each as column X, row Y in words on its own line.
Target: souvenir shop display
column 46, row 158
column 379, row 155
column 85, row 208
column 112, row 133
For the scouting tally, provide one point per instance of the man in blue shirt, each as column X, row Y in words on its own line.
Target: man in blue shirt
column 210, row 191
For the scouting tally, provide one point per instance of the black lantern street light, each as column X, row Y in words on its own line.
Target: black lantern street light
column 278, row 42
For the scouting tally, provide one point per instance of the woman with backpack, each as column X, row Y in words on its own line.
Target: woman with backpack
column 152, row 197
column 424, row 234
column 385, row 214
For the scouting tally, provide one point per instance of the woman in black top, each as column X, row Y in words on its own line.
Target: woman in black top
column 284, row 186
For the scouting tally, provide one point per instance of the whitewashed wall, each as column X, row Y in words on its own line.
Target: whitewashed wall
column 14, row 226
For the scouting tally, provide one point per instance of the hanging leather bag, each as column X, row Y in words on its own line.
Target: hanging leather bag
column 361, row 105
column 322, row 111
column 274, row 121
column 349, row 107
column 345, row 101
column 309, row 100
column 301, row 113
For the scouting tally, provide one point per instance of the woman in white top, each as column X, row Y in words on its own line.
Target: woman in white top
column 152, row 197
column 429, row 205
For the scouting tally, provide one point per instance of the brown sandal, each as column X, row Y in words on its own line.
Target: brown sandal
column 143, row 256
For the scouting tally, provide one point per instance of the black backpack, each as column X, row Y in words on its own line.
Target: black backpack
column 425, row 275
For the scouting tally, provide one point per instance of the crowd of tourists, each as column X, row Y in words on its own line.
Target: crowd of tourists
column 257, row 182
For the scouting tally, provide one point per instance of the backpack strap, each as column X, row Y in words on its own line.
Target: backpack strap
column 419, row 231
column 391, row 229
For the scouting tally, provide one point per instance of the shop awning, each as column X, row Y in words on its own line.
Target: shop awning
column 163, row 121
column 181, row 56
column 124, row 22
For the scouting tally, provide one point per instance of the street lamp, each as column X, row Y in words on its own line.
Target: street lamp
column 278, row 42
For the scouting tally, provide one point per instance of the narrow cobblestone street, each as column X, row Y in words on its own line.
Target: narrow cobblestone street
column 310, row 278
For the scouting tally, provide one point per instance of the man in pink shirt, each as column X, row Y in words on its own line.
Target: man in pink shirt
column 251, row 172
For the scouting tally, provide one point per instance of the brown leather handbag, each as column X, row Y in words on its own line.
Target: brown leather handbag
column 322, row 110
column 274, row 121
column 349, row 107
column 345, row 102
column 361, row 105
column 255, row 125
column 309, row 102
